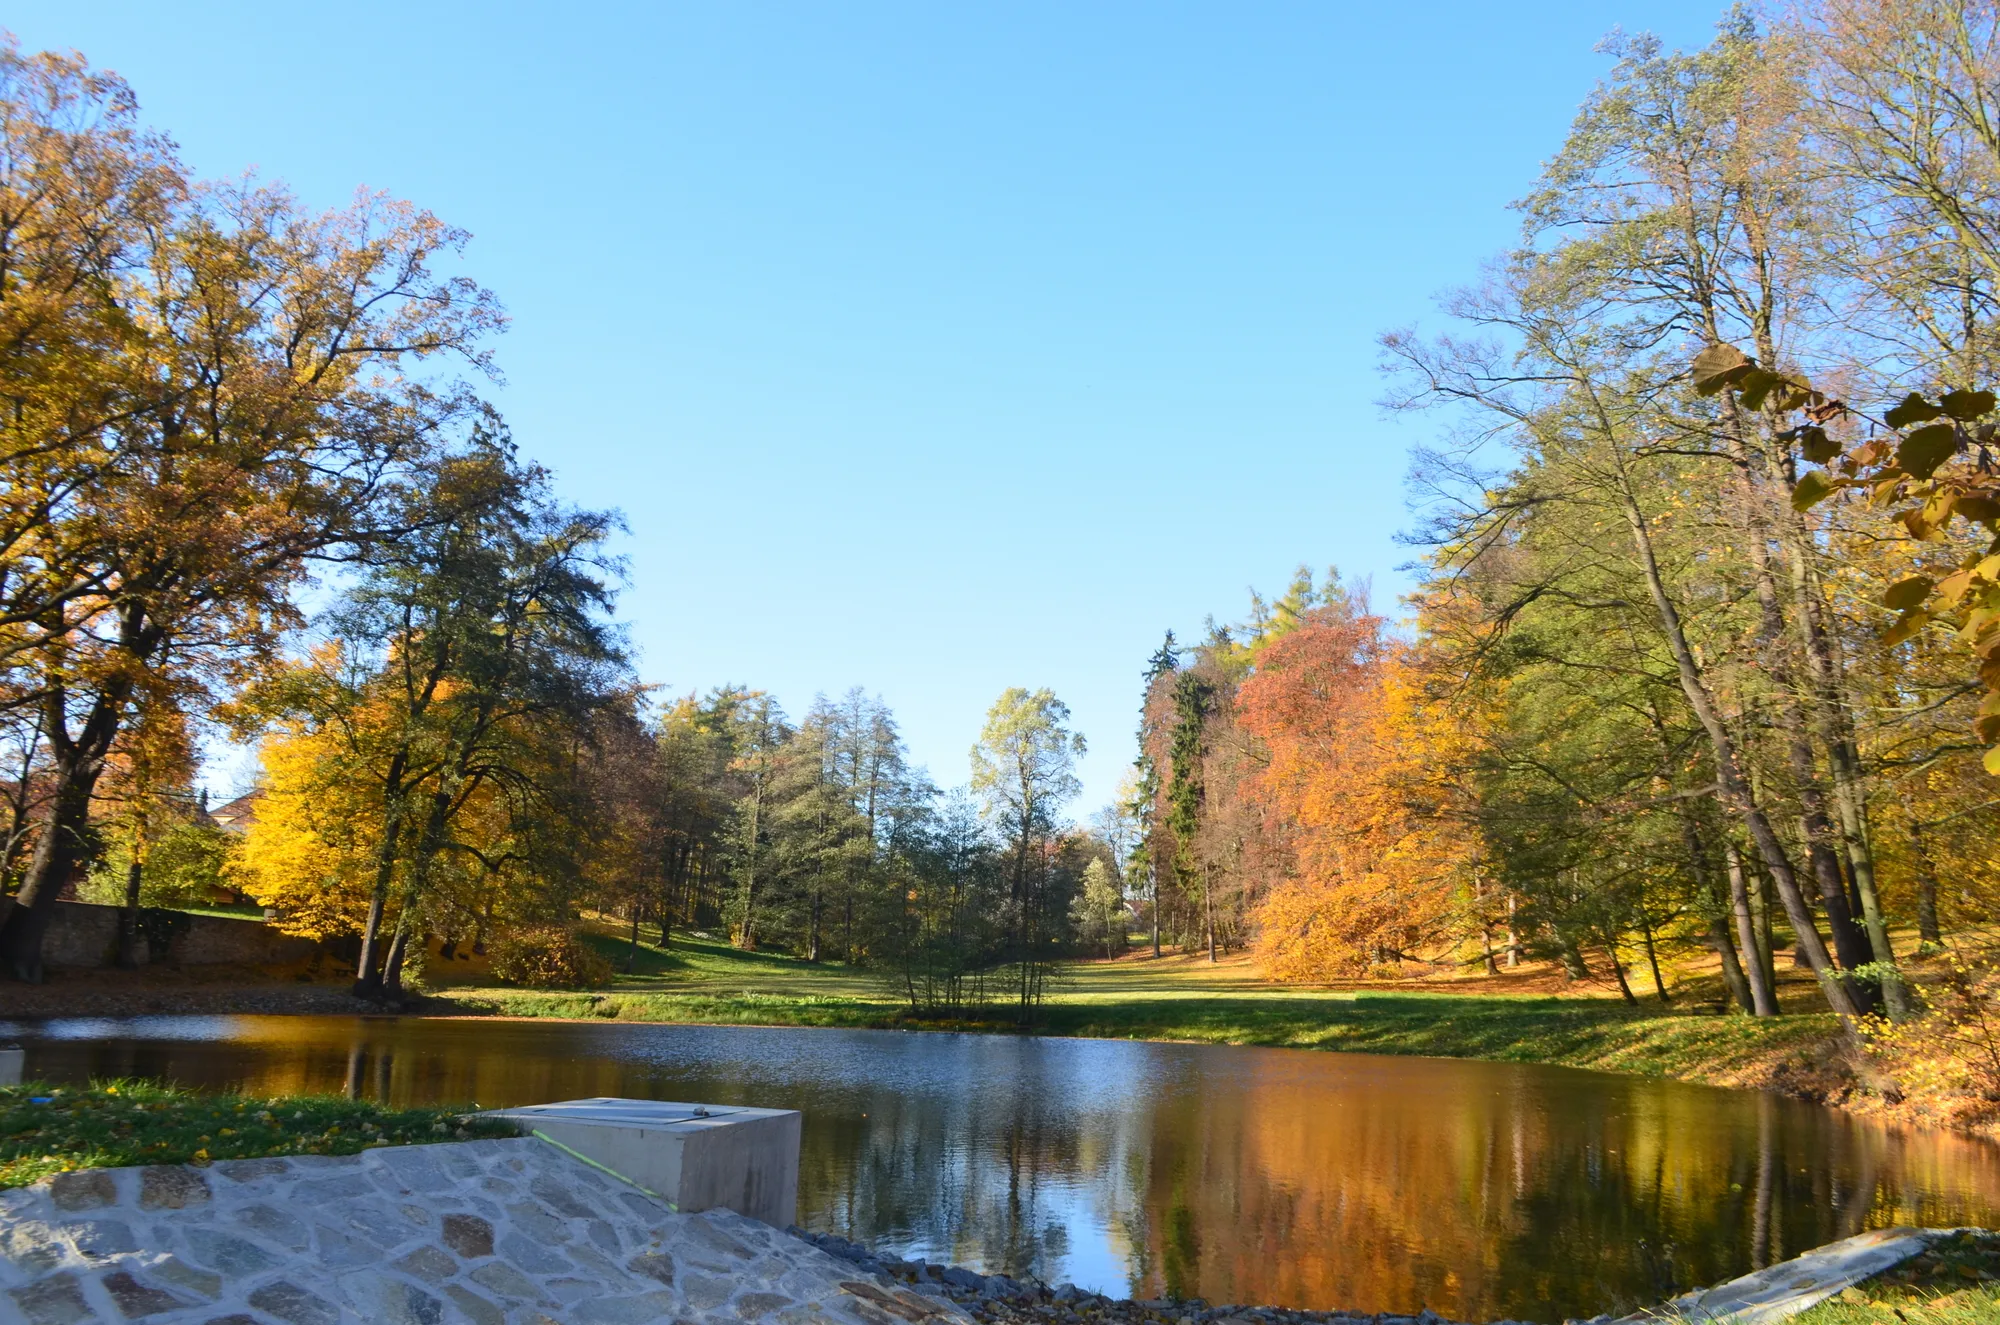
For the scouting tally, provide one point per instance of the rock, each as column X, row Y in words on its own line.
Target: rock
column 653, row 1265
column 476, row 1308
column 468, row 1235
column 292, row 1304
column 227, row 1254
column 56, row 1300
column 531, row 1255
column 82, row 1191
column 163, row 1187
column 428, row 1263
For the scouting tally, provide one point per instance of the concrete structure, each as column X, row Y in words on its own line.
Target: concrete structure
column 1779, row 1291
column 501, row 1232
column 11, row 1063
column 695, row 1157
column 85, row 934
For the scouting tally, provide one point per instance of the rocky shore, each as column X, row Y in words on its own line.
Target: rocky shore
column 1000, row 1300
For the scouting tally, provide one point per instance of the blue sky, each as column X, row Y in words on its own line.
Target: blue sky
column 928, row 347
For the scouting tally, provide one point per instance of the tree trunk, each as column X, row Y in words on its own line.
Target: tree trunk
column 1850, row 796
column 1850, row 944
column 1652, row 956
column 128, row 915
column 812, row 929
column 1618, row 969
column 367, row 976
column 1154, row 871
column 1729, row 768
column 1734, row 981
column 747, row 938
column 1208, row 908
column 1929, row 935
column 392, row 964
column 1767, row 945
column 60, row 846
column 1762, row 1001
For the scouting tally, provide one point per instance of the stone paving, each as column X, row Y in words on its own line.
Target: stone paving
column 505, row 1232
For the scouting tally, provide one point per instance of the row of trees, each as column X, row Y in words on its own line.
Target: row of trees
column 1658, row 689
column 404, row 800
column 216, row 400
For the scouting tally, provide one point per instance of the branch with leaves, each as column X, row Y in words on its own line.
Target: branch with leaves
column 1926, row 463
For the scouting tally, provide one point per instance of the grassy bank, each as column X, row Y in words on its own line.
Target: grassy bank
column 1175, row 998
column 56, row 1129
column 1952, row 1284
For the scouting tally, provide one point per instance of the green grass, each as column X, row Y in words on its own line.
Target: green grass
column 1952, row 1284
column 1590, row 1033
column 232, row 911
column 703, row 981
column 54, row 1129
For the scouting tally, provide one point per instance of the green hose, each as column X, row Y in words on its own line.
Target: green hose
column 601, row 1168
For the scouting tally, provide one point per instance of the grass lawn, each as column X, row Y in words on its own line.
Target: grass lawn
column 55, row 1129
column 233, row 911
column 1187, row 998
column 1955, row 1283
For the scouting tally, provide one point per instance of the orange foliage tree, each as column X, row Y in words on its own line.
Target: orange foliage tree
column 1358, row 781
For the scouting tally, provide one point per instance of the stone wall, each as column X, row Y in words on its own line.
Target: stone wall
column 471, row 1233
column 84, row 934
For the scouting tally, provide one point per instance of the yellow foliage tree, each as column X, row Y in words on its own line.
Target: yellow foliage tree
column 310, row 851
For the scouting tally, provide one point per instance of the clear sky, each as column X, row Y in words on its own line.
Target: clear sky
column 932, row 347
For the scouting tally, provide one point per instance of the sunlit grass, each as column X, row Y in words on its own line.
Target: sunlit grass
column 1951, row 1284
column 706, row 981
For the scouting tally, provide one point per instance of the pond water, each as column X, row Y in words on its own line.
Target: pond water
column 1259, row 1176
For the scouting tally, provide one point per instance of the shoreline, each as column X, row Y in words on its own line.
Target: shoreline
column 999, row 1299
column 1793, row 1057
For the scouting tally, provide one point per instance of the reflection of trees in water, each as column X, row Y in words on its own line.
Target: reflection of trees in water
column 1517, row 1193
column 1247, row 1176
column 977, row 1179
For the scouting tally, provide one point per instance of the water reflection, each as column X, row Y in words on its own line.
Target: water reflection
column 1241, row 1175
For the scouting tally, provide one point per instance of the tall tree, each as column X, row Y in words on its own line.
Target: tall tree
column 272, row 402
column 1024, row 769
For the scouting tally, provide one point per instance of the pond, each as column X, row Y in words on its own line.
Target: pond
column 1257, row 1176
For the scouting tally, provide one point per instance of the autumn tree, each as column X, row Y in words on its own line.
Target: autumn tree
column 277, row 374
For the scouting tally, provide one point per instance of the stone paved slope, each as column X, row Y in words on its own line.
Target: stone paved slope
column 507, row 1232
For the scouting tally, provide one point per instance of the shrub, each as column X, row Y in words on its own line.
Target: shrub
column 548, row 957
column 1945, row 1063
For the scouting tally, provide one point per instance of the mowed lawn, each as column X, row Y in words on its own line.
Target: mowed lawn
column 1175, row 997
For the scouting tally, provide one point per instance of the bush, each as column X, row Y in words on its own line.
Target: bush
column 548, row 957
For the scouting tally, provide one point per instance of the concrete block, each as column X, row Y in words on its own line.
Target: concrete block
column 11, row 1063
column 696, row 1156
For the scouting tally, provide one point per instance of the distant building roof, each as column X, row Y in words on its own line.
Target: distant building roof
column 236, row 816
